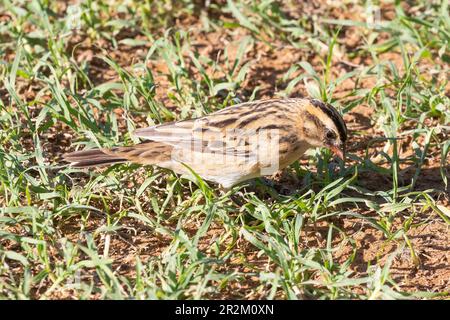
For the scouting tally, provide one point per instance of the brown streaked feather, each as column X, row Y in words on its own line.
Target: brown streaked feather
column 207, row 132
column 219, row 125
column 147, row 153
column 91, row 158
column 297, row 124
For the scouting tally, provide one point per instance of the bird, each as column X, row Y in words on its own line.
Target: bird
column 232, row 145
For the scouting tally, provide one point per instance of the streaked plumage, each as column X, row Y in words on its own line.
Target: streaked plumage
column 226, row 146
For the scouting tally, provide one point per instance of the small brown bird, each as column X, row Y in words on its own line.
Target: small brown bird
column 234, row 144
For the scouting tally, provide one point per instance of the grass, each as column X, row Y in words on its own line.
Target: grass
column 88, row 75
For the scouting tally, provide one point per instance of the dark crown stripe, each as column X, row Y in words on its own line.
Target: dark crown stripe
column 334, row 115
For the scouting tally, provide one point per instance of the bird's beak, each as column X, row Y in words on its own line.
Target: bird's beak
column 338, row 151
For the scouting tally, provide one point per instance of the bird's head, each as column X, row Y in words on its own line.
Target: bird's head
column 323, row 126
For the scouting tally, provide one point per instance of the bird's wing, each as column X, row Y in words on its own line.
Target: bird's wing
column 233, row 131
column 216, row 133
column 200, row 135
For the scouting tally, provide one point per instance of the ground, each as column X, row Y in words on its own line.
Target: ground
column 78, row 75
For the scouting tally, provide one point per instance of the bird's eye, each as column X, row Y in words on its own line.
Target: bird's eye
column 330, row 135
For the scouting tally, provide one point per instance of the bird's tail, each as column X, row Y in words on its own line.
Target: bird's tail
column 92, row 158
column 146, row 153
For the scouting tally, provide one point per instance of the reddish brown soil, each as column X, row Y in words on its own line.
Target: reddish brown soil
column 268, row 65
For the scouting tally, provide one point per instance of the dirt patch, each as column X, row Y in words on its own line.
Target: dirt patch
column 425, row 268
